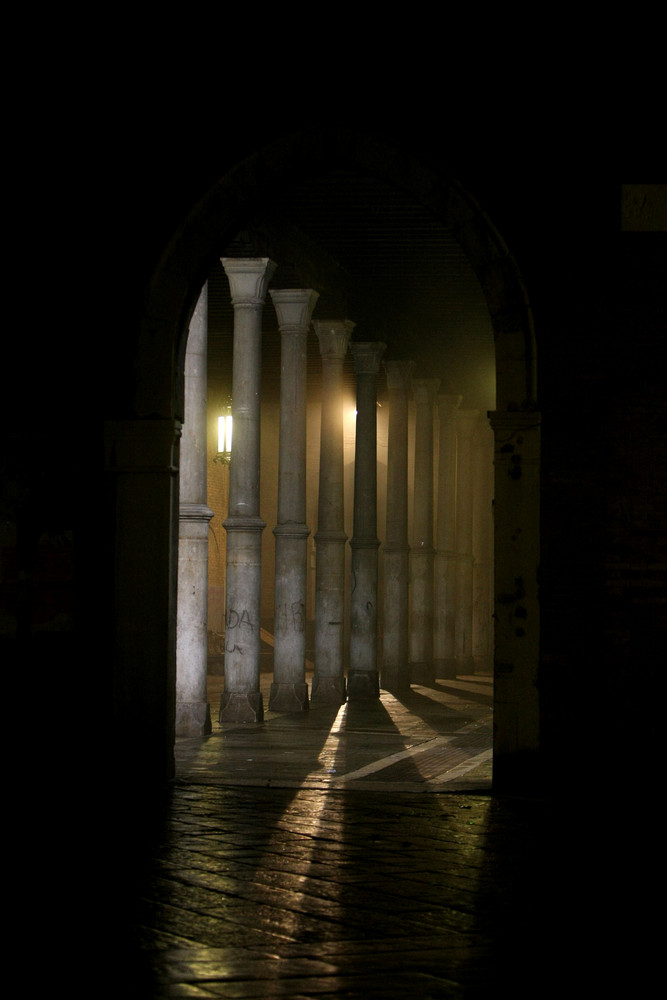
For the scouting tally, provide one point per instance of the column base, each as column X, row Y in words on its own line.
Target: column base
column 246, row 706
column 422, row 673
column 193, row 718
column 445, row 669
column 363, row 684
column 328, row 689
column 290, row 697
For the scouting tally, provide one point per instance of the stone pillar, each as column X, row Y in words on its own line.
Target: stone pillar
column 363, row 680
column 395, row 644
column 241, row 700
column 482, row 548
column 289, row 691
column 422, row 552
column 193, row 715
column 445, row 556
column 141, row 504
column 465, row 425
column 516, row 702
column 330, row 537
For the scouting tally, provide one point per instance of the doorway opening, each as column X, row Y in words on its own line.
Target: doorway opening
column 235, row 211
column 377, row 257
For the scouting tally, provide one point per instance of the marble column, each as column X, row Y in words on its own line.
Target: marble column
column 465, row 424
column 328, row 677
column 482, row 547
column 422, row 552
column 241, row 700
column 193, row 715
column 395, row 675
column 363, row 680
column 445, row 555
column 289, row 690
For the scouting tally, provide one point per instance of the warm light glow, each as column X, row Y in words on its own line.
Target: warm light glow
column 225, row 434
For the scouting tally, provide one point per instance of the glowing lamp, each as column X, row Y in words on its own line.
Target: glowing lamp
column 224, row 438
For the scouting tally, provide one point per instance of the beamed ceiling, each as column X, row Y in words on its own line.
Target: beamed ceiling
column 378, row 258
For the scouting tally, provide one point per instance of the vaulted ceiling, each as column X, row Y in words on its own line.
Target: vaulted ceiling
column 377, row 258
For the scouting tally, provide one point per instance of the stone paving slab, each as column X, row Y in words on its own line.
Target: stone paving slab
column 302, row 893
column 252, row 880
column 434, row 739
column 302, row 859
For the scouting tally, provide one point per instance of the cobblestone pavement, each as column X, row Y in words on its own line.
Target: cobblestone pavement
column 354, row 852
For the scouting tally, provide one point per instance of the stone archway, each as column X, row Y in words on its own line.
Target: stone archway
column 142, row 453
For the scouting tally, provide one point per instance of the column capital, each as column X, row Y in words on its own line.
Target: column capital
column 399, row 374
column 367, row 356
column 424, row 390
column 334, row 337
column 294, row 308
column 248, row 279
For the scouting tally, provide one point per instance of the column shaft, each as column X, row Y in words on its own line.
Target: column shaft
column 465, row 424
column 289, row 691
column 482, row 548
column 445, row 556
column 422, row 551
column 193, row 716
column 363, row 680
column 241, row 700
column 516, row 693
column 395, row 637
column 328, row 679
column 141, row 476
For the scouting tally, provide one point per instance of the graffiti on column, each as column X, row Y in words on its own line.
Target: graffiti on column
column 236, row 620
column 292, row 616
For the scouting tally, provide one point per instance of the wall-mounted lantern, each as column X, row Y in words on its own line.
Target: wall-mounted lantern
column 225, row 423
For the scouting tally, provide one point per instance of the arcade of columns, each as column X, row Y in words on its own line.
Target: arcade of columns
column 437, row 602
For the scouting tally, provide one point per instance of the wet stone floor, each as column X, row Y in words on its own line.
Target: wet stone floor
column 345, row 852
